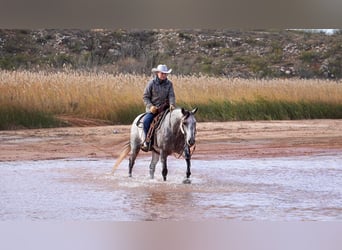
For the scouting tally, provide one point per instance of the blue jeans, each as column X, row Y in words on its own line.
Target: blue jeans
column 148, row 118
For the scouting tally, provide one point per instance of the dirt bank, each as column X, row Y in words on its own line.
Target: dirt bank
column 214, row 140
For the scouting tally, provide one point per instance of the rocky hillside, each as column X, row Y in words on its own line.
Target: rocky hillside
column 231, row 53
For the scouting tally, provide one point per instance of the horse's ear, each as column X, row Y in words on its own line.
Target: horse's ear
column 184, row 112
column 194, row 110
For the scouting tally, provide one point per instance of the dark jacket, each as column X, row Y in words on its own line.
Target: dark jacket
column 158, row 92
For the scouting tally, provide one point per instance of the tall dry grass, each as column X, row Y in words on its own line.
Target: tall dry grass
column 111, row 97
column 203, row 89
column 78, row 93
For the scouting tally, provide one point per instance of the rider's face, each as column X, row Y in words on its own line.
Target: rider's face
column 162, row 76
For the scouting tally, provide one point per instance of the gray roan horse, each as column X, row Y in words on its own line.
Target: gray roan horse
column 176, row 134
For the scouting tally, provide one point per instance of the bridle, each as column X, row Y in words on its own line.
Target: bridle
column 192, row 148
column 182, row 124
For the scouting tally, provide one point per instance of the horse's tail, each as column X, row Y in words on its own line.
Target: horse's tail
column 124, row 153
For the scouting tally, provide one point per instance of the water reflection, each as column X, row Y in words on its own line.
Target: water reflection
column 157, row 198
column 169, row 205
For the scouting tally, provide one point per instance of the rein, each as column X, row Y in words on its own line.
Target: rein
column 190, row 151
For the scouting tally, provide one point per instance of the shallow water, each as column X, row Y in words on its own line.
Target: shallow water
column 272, row 189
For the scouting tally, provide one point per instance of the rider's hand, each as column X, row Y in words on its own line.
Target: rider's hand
column 172, row 107
column 153, row 109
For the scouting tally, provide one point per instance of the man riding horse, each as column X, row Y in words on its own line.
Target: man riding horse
column 174, row 132
column 158, row 96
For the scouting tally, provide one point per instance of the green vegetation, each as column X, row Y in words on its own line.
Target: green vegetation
column 267, row 110
column 19, row 117
column 309, row 56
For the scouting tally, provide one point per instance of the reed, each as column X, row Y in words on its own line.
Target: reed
column 118, row 98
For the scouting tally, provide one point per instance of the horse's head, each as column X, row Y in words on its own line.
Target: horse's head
column 188, row 126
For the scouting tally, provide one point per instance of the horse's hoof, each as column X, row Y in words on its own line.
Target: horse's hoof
column 130, row 175
column 164, row 177
column 187, row 181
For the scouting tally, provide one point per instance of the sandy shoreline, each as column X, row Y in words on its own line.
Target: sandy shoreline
column 241, row 139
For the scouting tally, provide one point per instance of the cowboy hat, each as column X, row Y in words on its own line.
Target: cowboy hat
column 162, row 68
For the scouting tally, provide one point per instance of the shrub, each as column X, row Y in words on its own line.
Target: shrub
column 309, row 56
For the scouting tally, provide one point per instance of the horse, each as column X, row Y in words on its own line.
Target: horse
column 175, row 134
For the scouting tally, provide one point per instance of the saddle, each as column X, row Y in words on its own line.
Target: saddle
column 155, row 124
column 162, row 110
column 157, row 120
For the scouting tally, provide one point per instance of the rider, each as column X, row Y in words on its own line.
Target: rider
column 158, row 94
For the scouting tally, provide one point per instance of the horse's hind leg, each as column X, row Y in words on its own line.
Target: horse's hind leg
column 132, row 157
column 154, row 161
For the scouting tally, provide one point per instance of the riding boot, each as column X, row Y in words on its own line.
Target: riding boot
column 146, row 146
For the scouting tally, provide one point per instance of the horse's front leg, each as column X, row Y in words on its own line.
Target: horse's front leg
column 163, row 159
column 188, row 165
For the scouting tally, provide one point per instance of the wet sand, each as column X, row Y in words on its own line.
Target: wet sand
column 215, row 140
